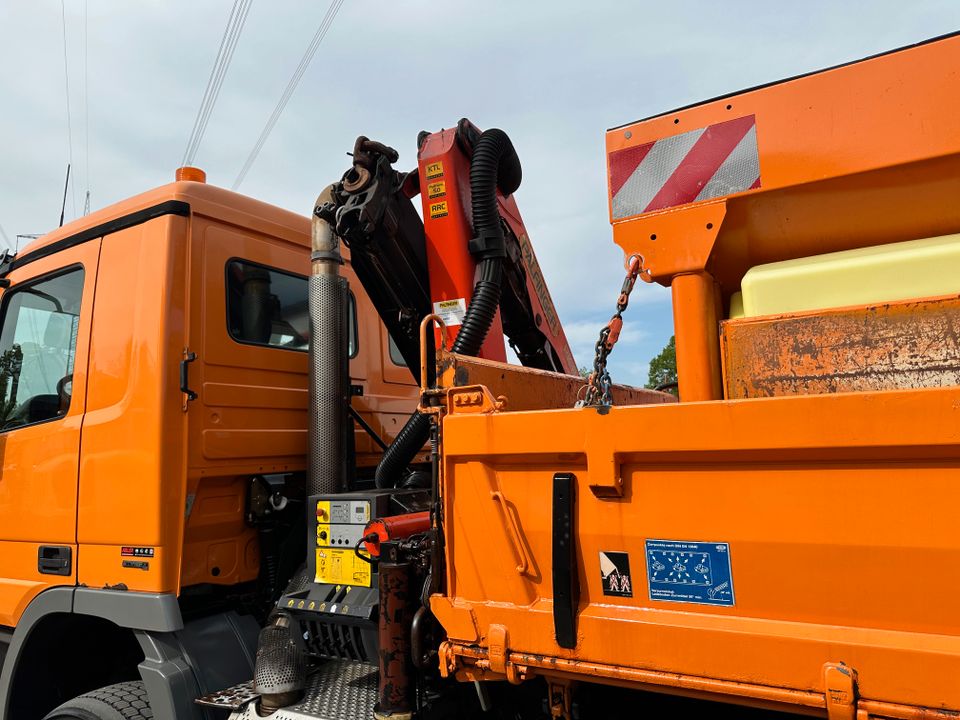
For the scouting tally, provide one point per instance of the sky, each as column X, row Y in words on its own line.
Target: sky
column 553, row 75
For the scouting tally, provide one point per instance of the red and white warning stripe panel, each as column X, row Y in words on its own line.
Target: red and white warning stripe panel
column 709, row 162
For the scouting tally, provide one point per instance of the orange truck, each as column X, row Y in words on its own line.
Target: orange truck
column 153, row 439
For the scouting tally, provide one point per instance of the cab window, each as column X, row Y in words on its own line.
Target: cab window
column 395, row 355
column 38, row 345
column 266, row 306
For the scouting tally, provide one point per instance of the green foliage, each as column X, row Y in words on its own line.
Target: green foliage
column 584, row 371
column 663, row 368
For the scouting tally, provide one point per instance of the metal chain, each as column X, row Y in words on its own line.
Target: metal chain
column 599, row 383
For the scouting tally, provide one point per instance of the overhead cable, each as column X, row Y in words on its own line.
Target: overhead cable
column 228, row 43
column 66, row 79
column 289, row 90
column 86, row 108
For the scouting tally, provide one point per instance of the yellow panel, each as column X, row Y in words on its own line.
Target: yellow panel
column 342, row 567
column 878, row 274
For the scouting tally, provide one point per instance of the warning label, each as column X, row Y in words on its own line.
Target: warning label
column 342, row 567
column 451, row 311
column 434, row 170
column 436, row 189
column 438, row 209
column 693, row 572
column 615, row 574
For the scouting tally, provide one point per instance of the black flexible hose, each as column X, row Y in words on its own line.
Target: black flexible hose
column 494, row 164
column 483, row 308
column 402, row 450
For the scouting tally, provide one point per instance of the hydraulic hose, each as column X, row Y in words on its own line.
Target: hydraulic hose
column 494, row 165
column 402, row 450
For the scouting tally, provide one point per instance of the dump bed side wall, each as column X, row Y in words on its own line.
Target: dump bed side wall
column 836, row 513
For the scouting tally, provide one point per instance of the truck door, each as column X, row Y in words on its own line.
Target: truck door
column 45, row 319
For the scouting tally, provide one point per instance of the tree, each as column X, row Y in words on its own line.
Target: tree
column 663, row 368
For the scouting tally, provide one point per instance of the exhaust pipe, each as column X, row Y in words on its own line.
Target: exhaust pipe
column 328, row 356
column 280, row 669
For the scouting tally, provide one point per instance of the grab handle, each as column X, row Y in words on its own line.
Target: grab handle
column 514, row 530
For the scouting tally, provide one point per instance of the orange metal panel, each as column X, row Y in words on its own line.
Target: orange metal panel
column 837, row 510
column 38, row 480
column 445, row 188
column 898, row 345
column 525, row 388
column 832, row 123
column 219, row 547
column 238, row 427
column 20, row 581
column 132, row 468
column 854, row 156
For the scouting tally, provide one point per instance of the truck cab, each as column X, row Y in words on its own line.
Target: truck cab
column 153, row 433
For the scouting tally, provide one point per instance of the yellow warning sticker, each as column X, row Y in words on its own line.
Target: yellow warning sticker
column 438, row 209
column 451, row 312
column 434, row 170
column 436, row 189
column 342, row 567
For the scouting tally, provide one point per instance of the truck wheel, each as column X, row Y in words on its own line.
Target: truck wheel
column 123, row 701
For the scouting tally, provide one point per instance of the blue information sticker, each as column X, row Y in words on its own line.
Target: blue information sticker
column 691, row 572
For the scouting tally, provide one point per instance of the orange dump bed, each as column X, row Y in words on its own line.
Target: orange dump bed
column 792, row 549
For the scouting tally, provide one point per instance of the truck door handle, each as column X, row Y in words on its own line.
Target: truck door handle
column 53, row 560
column 188, row 357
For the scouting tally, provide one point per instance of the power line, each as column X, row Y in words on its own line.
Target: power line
column 291, row 87
column 66, row 80
column 86, row 105
column 228, row 43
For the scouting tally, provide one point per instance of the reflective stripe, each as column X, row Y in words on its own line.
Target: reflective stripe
column 653, row 171
column 709, row 162
column 740, row 171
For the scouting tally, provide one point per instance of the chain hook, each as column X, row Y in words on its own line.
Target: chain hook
column 599, row 384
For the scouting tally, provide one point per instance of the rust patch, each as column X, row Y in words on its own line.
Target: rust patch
column 904, row 345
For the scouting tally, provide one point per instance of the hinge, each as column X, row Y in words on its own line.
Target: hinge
column 497, row 648
column 840, row 691
column 473, row 399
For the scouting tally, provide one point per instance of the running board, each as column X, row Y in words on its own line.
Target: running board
column 336, row 690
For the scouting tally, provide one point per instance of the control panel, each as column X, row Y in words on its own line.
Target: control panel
column 340, row 524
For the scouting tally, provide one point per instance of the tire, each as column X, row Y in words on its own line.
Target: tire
column 123, row 701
